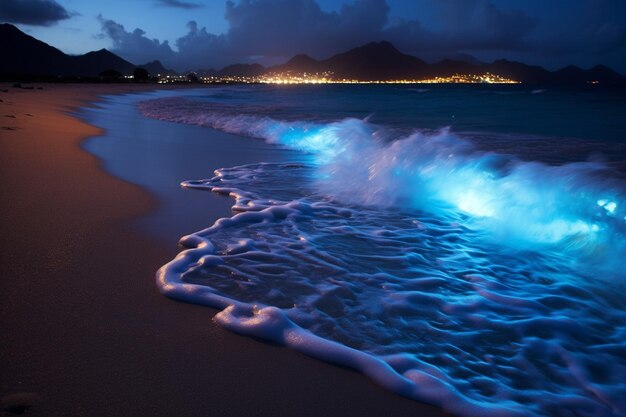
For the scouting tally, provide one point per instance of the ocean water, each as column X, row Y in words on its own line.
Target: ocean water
column 460, row 245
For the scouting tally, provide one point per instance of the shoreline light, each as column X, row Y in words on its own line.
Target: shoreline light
column 291, row 78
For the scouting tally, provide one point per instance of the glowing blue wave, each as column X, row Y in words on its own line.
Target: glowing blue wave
column 446, row 274
column 579, row 207
column 416, row 301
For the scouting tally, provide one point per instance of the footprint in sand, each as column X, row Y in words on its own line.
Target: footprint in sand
column 20, row 403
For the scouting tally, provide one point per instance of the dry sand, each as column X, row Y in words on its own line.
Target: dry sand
column 83, row 329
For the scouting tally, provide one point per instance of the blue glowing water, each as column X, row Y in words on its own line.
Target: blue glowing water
column 460, row 246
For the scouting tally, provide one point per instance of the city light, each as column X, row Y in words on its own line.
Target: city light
column 291, row 78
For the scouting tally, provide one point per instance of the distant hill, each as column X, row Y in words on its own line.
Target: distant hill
column 374, row 61
column 24, row 55
column 93, row 63
column 242, row 70
column 208, row 72
column 382, row 61
column 155, row 68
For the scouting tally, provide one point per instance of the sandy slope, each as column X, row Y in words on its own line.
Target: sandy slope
column 83, row 329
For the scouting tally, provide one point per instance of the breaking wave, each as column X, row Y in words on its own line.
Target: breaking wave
column 471, row 280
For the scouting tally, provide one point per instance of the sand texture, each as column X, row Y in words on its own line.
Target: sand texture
column 84, row 330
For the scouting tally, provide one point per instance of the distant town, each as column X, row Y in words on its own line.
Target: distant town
column 328, row 78
column 26, row 59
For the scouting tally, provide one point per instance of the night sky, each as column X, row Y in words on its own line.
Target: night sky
column 194, row 34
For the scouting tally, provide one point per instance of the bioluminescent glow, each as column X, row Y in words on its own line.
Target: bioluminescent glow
column 608, row 205
column 421, row 304
column 472, row 280
column 521, row 203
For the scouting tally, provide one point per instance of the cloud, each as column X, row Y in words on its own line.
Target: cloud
column 589, row 33
column 179, row 4
column 281, row 27
column 271, row 31
column 464, row 26
column 479, row 24
column 33, row 12
column 135, row 46
column 598, row 27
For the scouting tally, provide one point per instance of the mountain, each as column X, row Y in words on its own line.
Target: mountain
column 242, row 70
column 569, row 75
column 22, row 54
column 470, row 59
column 155, row 68
column 299, row 63
column 93, row 63
column 448, row 67
column 208, row 72
column 382, row 61
column 531, row 74
column 374, row 61
column 601, row 72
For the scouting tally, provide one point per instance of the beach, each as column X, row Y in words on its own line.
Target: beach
column 85, row 331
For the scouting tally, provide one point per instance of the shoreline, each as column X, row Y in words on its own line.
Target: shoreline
column 85, row 330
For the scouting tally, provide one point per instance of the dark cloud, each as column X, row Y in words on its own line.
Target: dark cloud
column 592, row 32
column 597, row 27
column 480, row 25
column 463, row 27
column 32, row 12
column 135, row 46
column 179, row 4
column 267, row 29
column 271, row 31
column 275, row 28
column 201, row 49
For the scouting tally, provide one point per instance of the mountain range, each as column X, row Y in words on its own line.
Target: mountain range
column 22, row 54
column 382, row 61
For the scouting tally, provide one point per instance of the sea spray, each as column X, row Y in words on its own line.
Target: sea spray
column 581, row 206
column 467, row 279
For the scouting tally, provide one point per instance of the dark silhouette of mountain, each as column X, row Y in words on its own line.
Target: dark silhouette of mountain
column 374, row 61
column 601, row 72
column 209, row 72
column 382, row 61
column 531, row 74
column 92, row 63
column 24, row 55
column 300, row 63
column 155, row 68
column 448, row 67
column 242, row 70
column 470, row 59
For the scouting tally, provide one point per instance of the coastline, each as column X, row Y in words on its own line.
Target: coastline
column 85, row 330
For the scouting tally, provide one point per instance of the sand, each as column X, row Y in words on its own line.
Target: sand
column 84, row 330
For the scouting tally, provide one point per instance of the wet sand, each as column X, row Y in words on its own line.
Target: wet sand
column 84, row 330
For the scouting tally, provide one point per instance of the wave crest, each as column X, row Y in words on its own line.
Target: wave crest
column 578, row 207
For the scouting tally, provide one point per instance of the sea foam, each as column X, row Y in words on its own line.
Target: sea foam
column 470, row 280
column 579, row 206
